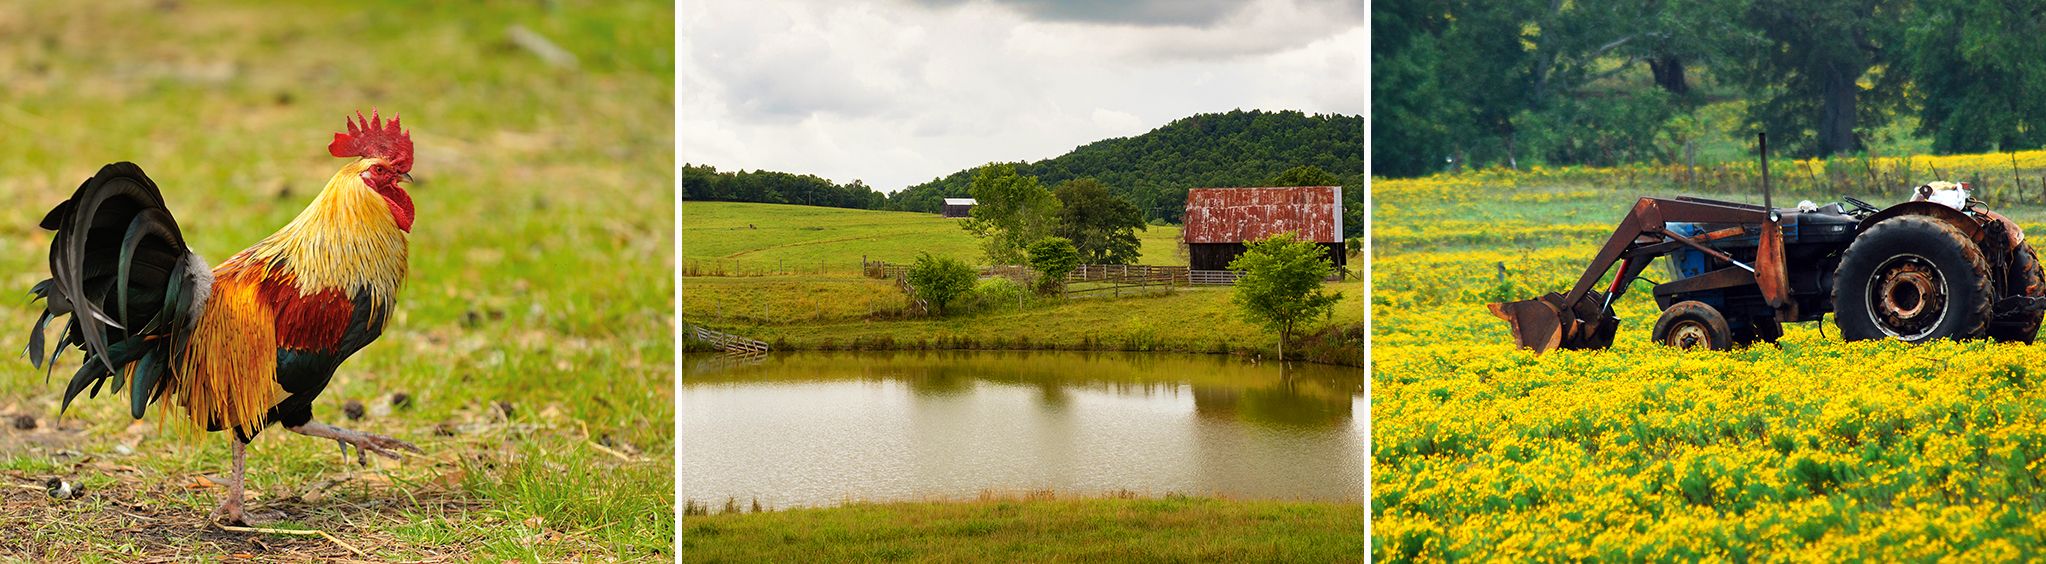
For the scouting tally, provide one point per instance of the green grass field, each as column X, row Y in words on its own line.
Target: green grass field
column 1036, row 529
column 736, row 237
column 846, row 311
column 838, row 309
column 533, row 338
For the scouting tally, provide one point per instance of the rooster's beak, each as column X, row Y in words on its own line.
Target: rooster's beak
column 404, row 177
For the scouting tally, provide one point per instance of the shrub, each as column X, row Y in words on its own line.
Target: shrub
column 993, row 294
column 1053, row 258
column 938, row 280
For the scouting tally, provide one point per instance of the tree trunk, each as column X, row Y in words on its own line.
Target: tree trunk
column 1285, row 334
column 1511, row 162
column 1669, row 74
column 1836, row 119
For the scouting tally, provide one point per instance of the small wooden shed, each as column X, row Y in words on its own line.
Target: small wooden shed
column 958, row 207
column 1220, row 220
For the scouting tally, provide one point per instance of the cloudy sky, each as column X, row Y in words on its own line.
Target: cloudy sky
column 897, row 92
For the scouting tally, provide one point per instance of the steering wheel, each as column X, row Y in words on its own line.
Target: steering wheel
column 1859, row 205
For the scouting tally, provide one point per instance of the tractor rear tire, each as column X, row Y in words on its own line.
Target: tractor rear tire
column 1914, row 278
column 1690, row 324
column 2024, row 279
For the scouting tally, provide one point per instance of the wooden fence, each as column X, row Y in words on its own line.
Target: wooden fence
column 1134, row 274
column 728, row 342
column 878, row 269
column 1136, row 280
column 1090, row 272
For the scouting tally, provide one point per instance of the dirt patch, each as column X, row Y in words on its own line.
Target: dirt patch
column 161, row 518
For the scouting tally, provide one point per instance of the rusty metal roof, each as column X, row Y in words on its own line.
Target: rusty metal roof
column 1235, row 215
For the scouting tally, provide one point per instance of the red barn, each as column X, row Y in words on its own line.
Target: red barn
column 1220, row 220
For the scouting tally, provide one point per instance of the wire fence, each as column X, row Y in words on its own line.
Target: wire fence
column 752, row 267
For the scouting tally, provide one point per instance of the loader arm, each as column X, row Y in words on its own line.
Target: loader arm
column 1573, row 321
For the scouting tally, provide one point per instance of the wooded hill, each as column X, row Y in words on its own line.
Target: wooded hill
column 1154, row 170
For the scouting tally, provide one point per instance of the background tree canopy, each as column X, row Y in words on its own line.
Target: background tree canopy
column 1101, row 226
column 704, row 182
column 1476, row 83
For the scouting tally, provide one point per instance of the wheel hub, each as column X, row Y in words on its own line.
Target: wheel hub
column 1908, row 297
column 1686, row 334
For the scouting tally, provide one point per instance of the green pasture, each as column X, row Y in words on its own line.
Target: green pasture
column 749, row 238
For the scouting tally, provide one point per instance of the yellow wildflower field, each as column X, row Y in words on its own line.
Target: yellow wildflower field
column 1809, row 449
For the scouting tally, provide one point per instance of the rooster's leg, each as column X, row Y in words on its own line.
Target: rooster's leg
column 231, row 508
column 364, row 442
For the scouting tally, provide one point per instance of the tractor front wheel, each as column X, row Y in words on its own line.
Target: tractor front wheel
column 1691, row 324
column 1913, row 278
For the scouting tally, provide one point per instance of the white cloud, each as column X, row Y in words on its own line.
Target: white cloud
column 1117, row 124
column 896, row 93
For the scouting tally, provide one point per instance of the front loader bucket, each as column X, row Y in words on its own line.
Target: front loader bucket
column 1536, row 324
column 1542, row 324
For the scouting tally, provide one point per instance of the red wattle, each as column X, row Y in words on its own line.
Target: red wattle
column 400, row 203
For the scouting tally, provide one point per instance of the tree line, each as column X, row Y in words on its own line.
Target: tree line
column 1510, row 83
column 707, row 183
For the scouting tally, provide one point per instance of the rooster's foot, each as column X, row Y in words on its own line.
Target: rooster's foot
column 230, row 513
column 364, row 443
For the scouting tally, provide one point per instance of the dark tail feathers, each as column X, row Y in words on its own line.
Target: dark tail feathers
column 120, row 269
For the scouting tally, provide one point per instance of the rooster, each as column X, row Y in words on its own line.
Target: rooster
column 246, row 344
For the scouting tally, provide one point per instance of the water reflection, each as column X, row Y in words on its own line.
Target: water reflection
column 821, row 428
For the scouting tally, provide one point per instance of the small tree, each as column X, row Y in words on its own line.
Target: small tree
column 1100, row 224
column 1281, row 284
column 1010, row 212
column 1053, row 258
column 937, row 280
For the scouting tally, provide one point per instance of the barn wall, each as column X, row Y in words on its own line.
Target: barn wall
column 1216, row 256
column 1212, row 256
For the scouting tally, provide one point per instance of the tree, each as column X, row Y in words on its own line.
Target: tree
column 1411, row 137
column 1977, row 67
column 1011, row 211
column 1053, row 258
column 1305, row 175
column 1281, row 284
column 1100, row 225
column 1818, row 70
column 937, row 280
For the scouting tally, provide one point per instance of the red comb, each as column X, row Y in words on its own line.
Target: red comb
column 372, row 137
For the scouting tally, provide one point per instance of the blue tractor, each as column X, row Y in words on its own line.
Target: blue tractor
column 1941, row 265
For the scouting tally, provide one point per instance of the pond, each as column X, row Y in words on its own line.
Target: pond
column 819, row 429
